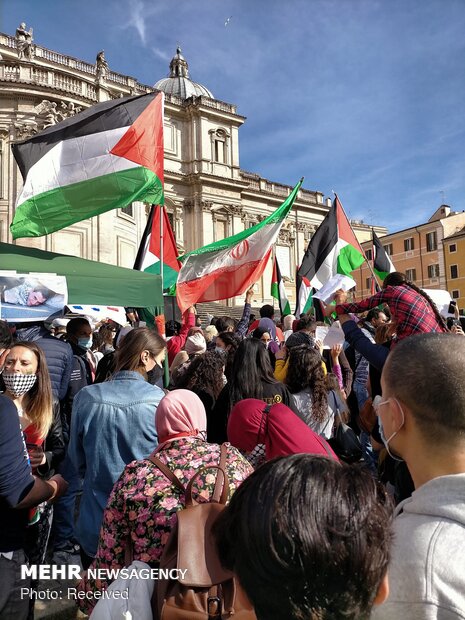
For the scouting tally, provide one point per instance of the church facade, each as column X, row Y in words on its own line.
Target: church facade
column 207, row 194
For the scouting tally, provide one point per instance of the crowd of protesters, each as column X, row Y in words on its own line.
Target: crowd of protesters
column 346, row 465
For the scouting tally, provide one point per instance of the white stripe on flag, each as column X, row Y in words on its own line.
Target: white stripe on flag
column 249, row 250
column 75, row 160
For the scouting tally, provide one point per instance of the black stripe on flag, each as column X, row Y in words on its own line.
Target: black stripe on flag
column 321, row 244
column 145, row 241
column 101, row 117
column 381, row 262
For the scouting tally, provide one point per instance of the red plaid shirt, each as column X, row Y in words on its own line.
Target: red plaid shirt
column 411, row 311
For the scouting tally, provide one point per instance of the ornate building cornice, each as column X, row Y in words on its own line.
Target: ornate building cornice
column 206, row 206
column 236, row 209
column 286, row 236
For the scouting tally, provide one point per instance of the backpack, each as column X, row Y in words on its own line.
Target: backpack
column 209, row 591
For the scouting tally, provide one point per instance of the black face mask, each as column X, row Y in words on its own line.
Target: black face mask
column 155, row 374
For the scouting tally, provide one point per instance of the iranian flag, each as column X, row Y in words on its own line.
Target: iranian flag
column 148, row 256
column 333, row 249
column 229, row 267
column 101, row 159
column 382, row 264
column 278, row 290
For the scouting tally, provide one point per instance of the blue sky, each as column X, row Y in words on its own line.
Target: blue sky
column 366, row 97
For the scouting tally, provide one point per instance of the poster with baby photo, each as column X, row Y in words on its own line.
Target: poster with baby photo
column 27, row 298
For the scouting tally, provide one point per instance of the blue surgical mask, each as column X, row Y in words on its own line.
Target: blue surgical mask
column 85, row 343
column 220, row 350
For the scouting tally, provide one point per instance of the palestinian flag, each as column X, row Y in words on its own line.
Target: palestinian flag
column 382, row 264
column 229, row 267
column 148, row 256
column 278, row 290
column 304, row 296
column 101, row 159
column 333, row 249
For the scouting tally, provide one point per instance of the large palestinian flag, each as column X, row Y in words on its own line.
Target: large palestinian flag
column 228, row 267
column 278, row 290
column 333, row 249
column 382, row 264
column 101, row 159
column 149, row 254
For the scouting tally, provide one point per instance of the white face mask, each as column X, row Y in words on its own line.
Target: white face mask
column 18, row 384
column 377, row 402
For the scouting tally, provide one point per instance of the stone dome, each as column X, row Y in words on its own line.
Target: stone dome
column 178, row 83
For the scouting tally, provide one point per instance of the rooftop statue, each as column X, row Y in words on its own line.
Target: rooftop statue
column 102, row 65
column 24, row 42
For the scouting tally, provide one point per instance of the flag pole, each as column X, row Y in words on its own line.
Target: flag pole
column 273, row 261
column 162, row 215
column 166, row 370
column 373, row 261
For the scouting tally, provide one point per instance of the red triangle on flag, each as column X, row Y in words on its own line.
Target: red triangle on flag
column 274, row 277
column 344, row 228
column 143, row 141
column 170, row 252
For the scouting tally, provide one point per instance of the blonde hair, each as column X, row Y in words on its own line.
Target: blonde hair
column 210, row 332
column 38, row 402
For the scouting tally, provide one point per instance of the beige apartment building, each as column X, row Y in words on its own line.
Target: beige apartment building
column 454, row 260
column 424, row 254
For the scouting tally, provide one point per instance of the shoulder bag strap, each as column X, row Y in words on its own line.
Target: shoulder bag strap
column 336, row 406
column 167, row 472
column 329, row 415
column 220, row 492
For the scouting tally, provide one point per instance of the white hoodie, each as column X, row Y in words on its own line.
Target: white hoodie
column 427, row 569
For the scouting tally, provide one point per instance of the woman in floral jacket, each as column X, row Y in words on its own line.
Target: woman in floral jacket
column 143, row 503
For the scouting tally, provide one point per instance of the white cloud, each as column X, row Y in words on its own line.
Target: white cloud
column 138, row 16
column 137, row 20
column 161, row 54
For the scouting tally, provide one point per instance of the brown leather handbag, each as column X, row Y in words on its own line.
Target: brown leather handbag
column 208, row 591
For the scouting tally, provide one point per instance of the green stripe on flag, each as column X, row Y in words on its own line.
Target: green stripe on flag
column 348, row 260
column 170, row 275
column 51, row 211
column 381, row 274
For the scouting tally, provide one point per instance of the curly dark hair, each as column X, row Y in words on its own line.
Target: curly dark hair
column 306, row 371
column 204, row 373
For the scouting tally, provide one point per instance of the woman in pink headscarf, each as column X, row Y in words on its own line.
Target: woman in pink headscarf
column 144, row 502
column 253, row 423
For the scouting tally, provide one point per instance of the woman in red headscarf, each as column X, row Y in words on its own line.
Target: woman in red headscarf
column 252, row 422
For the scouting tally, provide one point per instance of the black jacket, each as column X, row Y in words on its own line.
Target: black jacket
column 54, row 445
column 81, row 376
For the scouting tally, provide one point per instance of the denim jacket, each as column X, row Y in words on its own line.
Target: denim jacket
column 112, row 424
